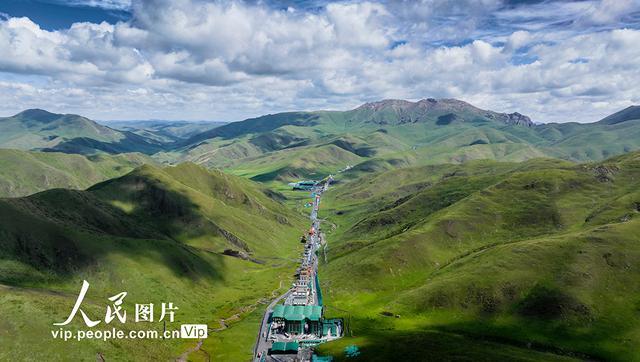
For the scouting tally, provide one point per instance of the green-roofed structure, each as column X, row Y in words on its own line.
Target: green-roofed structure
column 284, row 347
column 331, row 327
column 278, row 346
column 299, row 319
column 278, row 312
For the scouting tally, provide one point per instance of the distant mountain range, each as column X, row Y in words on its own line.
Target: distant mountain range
column 27, row 172
column 436, row 249
column 445, row 111
column 36, row 129
column 428, row 131
column 164, row 131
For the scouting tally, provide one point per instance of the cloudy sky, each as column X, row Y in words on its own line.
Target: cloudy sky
column 227, row 60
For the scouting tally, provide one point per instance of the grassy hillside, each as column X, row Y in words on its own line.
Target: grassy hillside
column 367, row 132
column 36, row 129
column 312, row 162
column 162, row 235
column 429, row 131
column 24, row 173
column 164, row 131
column 498, row 259
column 425, row 132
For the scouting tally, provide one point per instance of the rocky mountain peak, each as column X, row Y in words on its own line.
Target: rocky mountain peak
column 518, row 119
column 411, row 112
column 386, row 103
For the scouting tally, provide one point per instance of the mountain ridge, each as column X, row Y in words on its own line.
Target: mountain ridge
column 37, row 114
column 627, row 114
column 428, row 130
column 307, row 117
column 422, row 108
column 38, row 129
column 27, row 172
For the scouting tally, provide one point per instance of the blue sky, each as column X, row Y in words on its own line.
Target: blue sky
column 227, row 60
column 56, row 15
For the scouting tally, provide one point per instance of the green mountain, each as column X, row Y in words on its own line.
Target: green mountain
column 429, row 131
column 25, row 172
column 627, row 114
column 451, row 233
column 164, row 131
column 36, row 129
column 215, row 245
column 309, row 162
column 613, row 135
column 487, row 260
column 269, row 148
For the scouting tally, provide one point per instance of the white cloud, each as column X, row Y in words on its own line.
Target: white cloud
column 229, row 60
column 358, row 24
column 608, row 11
column 518, row 39
column 105, row 4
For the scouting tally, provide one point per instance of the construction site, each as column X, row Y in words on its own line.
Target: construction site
column 291, row 329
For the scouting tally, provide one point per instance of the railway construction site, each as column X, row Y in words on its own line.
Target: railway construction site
column 290, row 330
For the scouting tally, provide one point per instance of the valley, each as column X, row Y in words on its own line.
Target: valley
column 455, row 232
column 320, row 180
column 290, row 331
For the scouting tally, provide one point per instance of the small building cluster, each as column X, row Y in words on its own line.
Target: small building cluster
column 306, row 320
column 304, row 185
column 284, row 347
column 303, row 292
column 310, row 185
column 297, row 325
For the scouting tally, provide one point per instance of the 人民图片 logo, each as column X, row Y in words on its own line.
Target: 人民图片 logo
column 146, row 312
column 143, row 312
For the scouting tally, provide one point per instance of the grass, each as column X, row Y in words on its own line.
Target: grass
column 508, row 259
column 416, row 343
column 525, row 259
column 36, row 129
column 157, row 234
column 294, row 144
column 289, row 166
column 24, row 172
